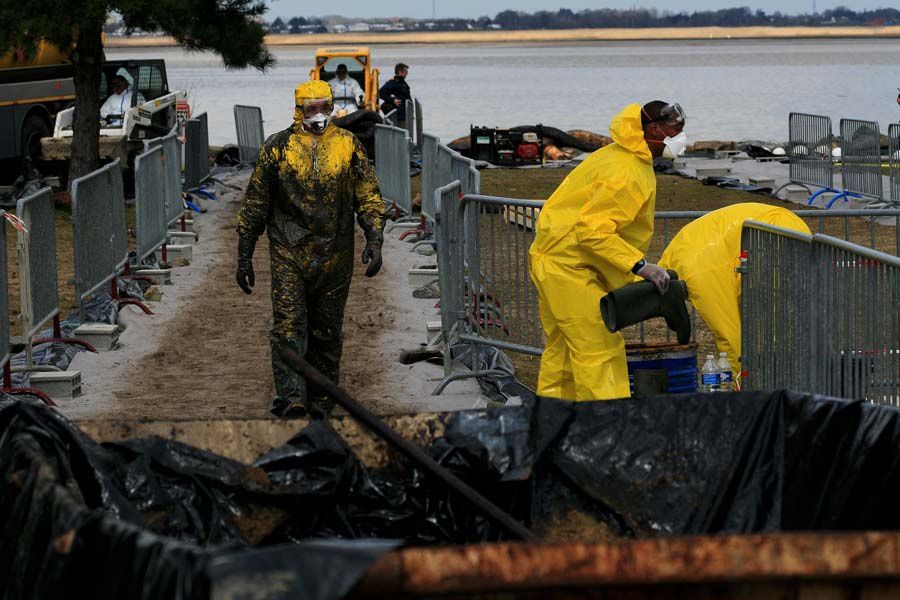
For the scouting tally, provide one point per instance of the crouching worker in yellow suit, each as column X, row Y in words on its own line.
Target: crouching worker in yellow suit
column 705, row 254
column 591, row 238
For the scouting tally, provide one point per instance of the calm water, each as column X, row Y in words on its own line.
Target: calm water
column 730, row 90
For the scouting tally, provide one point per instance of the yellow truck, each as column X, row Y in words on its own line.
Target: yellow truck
column 35, row 84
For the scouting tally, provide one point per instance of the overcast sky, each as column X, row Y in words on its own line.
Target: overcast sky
column 476, row 8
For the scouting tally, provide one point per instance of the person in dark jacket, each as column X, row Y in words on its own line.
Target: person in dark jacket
column 395, row 93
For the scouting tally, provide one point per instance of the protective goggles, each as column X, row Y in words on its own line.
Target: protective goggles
column 671, row 114
column 311, row 108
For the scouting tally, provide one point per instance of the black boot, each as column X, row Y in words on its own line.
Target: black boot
column 640, row 301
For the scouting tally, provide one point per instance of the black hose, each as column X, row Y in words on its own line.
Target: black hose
column 410, row 450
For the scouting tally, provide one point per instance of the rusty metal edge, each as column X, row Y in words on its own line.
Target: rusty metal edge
column 497, row 568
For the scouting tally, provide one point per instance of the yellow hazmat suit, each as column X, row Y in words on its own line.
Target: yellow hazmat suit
column 590, row 233
column 705, row 254
column 304, row 193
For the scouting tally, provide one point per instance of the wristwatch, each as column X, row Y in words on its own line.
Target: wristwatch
column 638, row 266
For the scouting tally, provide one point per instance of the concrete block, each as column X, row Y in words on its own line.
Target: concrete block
column 713, row 172
column 795, row 193
column 159, row 276
column 177, row 254
column 432, row 331
column 182, row 237
column 679, row 163
column 59, row 385
column 102, row 336
column 768, row 182
column 420, row 277
column 153, row 294
column 725, row 154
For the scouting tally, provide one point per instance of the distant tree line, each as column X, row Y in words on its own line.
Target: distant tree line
column 611, row 18
column 726, row 17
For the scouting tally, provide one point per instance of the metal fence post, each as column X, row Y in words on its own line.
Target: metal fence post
column 420, row 131
column 859, row 328
column 196, row 150
column 430, row 174
column 809, row 152
column 894, row 152
column 151, row 225
column 861, row 159
column 172, row 151
column 248, row 122
column 38, row 293
column 4, row 305
column 410, row 125
column 392, row 168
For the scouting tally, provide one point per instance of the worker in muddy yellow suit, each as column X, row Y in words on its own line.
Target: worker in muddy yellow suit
column 591, row 238
column 705, row 254
column 309, row 181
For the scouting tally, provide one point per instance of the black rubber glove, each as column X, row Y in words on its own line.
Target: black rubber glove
column 245, row 277
column 372, row 256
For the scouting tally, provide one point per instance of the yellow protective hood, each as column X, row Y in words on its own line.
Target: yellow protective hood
column 626, row 131
column 600, row 219
column 314, row 89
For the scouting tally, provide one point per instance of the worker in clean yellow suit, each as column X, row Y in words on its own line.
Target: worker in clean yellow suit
column 705, row 254
column 590, row 239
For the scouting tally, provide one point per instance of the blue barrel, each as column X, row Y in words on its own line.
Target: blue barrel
column 678, row 361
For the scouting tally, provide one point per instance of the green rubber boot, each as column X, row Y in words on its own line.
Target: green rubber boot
column 637, row 302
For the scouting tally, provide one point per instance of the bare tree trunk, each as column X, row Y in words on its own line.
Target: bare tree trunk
column 87, row 60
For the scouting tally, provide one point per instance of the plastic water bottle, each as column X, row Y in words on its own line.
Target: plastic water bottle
column 726, row 376
column 709, row 376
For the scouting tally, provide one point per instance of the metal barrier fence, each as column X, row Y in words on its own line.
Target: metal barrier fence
column 502, row 304
column 392, row 166
column 894, row 152
column 809, row 150
column 4, row 298
column 420, row 131
column 857, row 353
column 96, row 246
column 777, row 309
column 410, row 124
column 861, row 158
column 250, row 137
column 820, row 315
column 172, row 148
column 491, row 299
column 37, row 262
column 430, row 174
column 196, row 152
column 449, row 269
column 150, row 202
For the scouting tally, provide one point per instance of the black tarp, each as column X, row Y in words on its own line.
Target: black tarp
column 155, row 518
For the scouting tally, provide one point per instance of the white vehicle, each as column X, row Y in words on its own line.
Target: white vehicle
column 153, row 110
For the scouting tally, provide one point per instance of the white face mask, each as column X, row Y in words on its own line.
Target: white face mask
column 316, row 124
column 675, row 146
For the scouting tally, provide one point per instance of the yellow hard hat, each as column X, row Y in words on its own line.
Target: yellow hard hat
column 314, row 89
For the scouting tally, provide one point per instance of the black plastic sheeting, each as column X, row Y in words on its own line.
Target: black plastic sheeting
column 155, row 518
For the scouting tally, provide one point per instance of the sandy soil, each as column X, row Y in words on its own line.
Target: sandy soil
column 561, row 36
column 204, row 354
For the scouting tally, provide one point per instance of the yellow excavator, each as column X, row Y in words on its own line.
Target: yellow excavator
column 358, row 61
column 359, row 66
